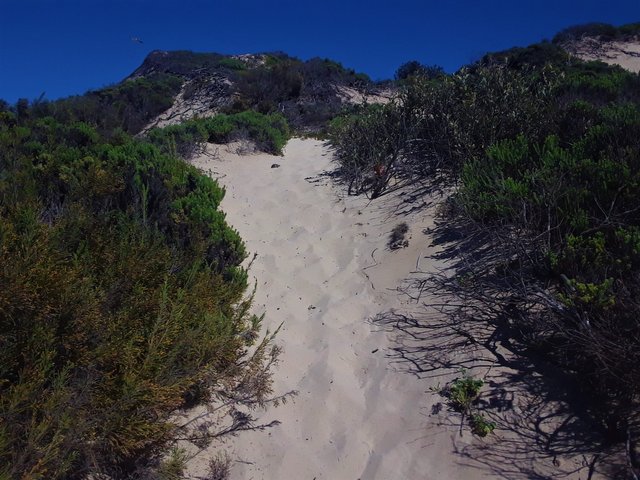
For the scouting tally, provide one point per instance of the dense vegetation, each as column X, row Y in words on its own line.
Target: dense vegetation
column 269, row 132
column 185, row 63
column 128, row 106
column 414, row 68
column 122, row 300
column 544, row 152
column 306, row 93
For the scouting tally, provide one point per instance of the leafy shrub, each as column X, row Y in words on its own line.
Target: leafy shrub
column 266, row 88
column 463, row 392
column 269, row 132
column 128, row 106
column 536, row 55
column 369, row 142
column 122, row 286
column 439, row 124
column 481, row 426
column 414, row 68
column 600, row 83
column 185, row 63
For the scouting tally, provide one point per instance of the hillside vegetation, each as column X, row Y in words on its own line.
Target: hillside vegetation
column 544, row 153
column 123, row 300
column 600, row 31
column 126, row 107
column 306, row 93
column 268, row 132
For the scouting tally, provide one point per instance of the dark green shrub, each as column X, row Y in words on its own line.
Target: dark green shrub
column 480, row 426
column 524, row 58
column 462, row 394
column 270, row 132
column 414, row 68
column 368, row 144
column 266, row 88
column 128, row 106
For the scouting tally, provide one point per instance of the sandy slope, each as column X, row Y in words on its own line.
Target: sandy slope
column 323, row 269
column 354, row 416
column 623, row 53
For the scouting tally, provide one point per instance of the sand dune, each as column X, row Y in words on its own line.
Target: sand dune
column 623, row 53
column 324, row 269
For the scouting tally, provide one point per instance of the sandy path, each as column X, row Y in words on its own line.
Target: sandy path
column 355, row 416
column 324, row 269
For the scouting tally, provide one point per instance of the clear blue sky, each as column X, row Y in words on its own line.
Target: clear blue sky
column 65, row 47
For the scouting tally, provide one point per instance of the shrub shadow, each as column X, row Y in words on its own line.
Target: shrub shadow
column 544, row 428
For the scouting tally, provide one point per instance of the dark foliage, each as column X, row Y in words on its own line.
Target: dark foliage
column 186, row 64
column 127, row 107
column 267, row 88
column 414, row 68
column 536, row 55
column 304, row 92
column 602, row 31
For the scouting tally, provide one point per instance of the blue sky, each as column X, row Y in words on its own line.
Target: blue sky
column 65, row 47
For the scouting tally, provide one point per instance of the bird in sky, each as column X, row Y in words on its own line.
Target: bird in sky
column 136, row 40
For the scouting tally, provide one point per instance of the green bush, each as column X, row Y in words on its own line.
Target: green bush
column 123, row 300
column 265, row 88
column 463, row 392
column 126, row 107
column 269, row 132
column 481, row 426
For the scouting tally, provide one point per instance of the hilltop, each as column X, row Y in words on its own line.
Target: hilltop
column 606, row 43
column 308, row 93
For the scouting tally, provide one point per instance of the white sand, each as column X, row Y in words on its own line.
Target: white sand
column 323, row 269
column 623, row 53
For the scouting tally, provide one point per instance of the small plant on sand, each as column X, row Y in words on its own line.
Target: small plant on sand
column 397, row 238
column 481, row 426
column 463, row 392
column 219, row 467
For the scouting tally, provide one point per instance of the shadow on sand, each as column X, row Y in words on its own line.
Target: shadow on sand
column 544, row 429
